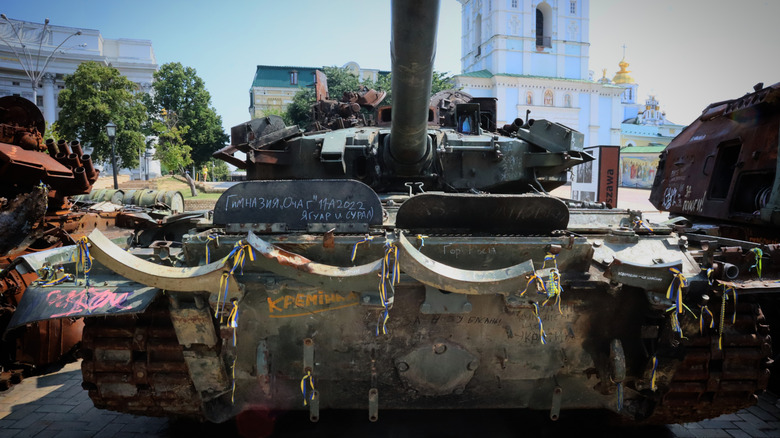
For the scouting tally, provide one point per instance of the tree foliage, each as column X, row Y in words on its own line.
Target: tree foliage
column 94, row 95
column 341, row 80
column 299, row 111
column 171, row 149
column 179, row 89
column 221, row 171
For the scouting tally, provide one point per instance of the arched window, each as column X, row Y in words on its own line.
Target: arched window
column 529, row 98
column 543, row 25
column 567, row 100
column 548, row 98
column 478, row 33
column 539, row 28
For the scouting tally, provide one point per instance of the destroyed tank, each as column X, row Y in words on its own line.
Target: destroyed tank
column 420, row 266
column 719, row 181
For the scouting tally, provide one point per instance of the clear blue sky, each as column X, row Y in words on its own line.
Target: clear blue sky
column 688, row 53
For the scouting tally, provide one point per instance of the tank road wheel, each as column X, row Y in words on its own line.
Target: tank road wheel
column 708, row 381
column 134, row 364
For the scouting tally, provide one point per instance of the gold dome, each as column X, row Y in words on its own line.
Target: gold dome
column 623, row 77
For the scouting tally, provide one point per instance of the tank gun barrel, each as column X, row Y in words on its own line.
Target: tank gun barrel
column 413, row 49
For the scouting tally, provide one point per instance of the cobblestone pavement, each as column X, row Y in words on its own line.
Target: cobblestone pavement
column 54, row 405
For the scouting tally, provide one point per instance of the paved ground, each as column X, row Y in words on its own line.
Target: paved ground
column 54, row 405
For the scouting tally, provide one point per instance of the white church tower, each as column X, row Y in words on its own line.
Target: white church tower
column 533, row 55
column 526, row 37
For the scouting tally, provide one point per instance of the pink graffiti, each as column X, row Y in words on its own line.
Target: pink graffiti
column 85, row 301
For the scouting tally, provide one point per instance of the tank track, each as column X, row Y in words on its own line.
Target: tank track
column 134, row 364
column 709, row 382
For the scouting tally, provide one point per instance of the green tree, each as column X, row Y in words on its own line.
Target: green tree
column 94, row 95
column 221, row 171
column 171, row 149
column 181, row 90
column 299, row 110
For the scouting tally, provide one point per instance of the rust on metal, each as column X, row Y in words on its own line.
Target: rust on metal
column 330, row 278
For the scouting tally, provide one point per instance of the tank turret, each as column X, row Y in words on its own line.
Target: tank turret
column 449, row 143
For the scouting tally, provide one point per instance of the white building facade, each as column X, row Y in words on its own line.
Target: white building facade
column 49, row 53
column 533, row 55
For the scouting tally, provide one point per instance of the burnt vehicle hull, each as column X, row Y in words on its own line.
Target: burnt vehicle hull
column 720, row 177
column 40, row 181
column 722, row 168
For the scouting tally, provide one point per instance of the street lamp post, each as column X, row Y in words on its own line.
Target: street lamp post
column 33, row 73
column 111, row 131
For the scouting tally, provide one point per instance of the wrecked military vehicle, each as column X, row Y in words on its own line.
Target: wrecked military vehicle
column 719, row 180
column 417, row 266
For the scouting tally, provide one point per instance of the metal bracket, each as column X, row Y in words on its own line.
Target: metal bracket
column 343, row 228
column 314, row 407
column 438, row 302
column 308, row 367
column 373, row 404
column 555, row 409
column 261, row 228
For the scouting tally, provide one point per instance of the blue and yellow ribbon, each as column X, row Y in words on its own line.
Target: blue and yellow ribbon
column 653, row 387
column 233, row 368
column 678, row 283
column 211, row 237
column 233, row 320
column 224, row 283
column 705, row 311
column 238, row 255
column 391, row 274
column 722, row 318
column 759, row 255
column 307, row 395
column 55, row 277
column 539, row 284
column 553, row 288
column 542, row 334
column 640, row 223
column 734, row 293
column 724, row 297
column 421, row 238
column 354, row 248
column 675, row 321
column 83, row 258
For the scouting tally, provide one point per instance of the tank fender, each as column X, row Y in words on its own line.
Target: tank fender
column 40, row 303
column 463, row 281
column 190, row 279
